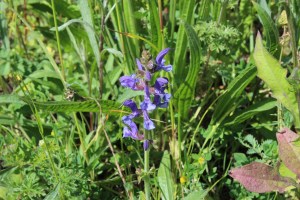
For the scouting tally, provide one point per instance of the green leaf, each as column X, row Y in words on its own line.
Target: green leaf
column 156, row 36
column 10, row 99
column 128, row 94
column 181, row 42
column 106, row 106
column 131, row 25
column 68, row 23
column 270, row 30
column 53, row 195
column 289, row 149
column 165, row 179
column 270, row 71
column 227, row 101
column 113, row 51
column 250, row 112
column 199, row 195
column 87, row 18
column 286, row 172
column 185, row 94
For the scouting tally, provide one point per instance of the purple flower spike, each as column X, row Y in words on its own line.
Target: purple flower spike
column 146, row 74
column 141, row 81
column 129, row 81
column 146, row 145
column 160, row 61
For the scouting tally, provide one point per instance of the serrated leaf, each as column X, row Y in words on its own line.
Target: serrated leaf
column 251, row 140
column 260, row 178
column 106, row 106
column 165, row 179
column 270, row 71
column 289, row 152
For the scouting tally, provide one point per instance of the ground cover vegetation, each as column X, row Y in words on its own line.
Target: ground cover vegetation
column 166, row 99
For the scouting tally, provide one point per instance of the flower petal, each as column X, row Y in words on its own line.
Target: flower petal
column 129, row 81
column 139, row 64
column 160, row 84
column 131, row 104
column 146, row 145
column 161, row 55
column 148, row 124
column 167, row 68
column 147, row 104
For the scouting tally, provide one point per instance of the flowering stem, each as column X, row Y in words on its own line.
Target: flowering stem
column 146, row 170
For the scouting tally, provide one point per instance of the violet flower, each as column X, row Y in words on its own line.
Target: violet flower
column 161, row 99
column 141, row 82
column 160, row 61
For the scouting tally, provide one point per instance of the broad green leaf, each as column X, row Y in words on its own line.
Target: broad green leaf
column 185, row 93
column 270, row 30
column 199, row 195
column 261, row 178
column 251, row 111
column 10, row 99
column 289, row 149
column 270, row 71
column 182, row 41
column 165, row 179
column 227, row 101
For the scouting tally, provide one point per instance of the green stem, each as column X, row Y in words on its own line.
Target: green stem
column 146, row 170
column 82, row 139
column 58, row 40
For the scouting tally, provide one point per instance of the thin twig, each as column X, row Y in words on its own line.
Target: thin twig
column 117, row 164
column 101, row 41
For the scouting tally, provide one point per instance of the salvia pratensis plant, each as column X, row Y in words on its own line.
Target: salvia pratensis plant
column 141, row 81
